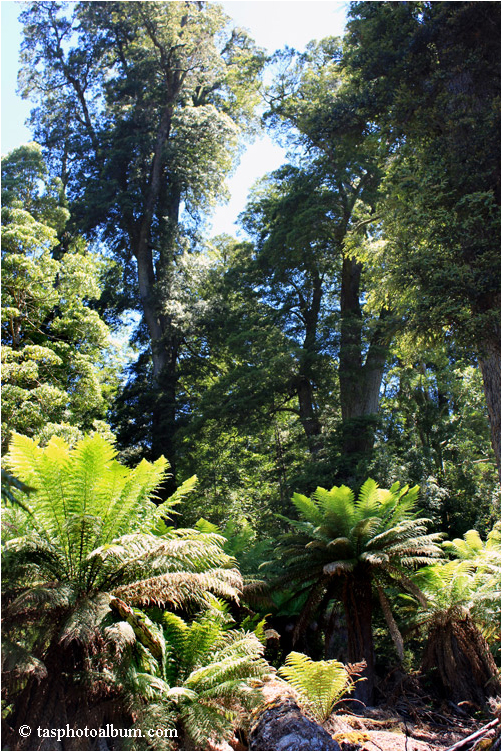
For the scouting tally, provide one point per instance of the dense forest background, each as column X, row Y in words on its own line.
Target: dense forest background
column 350, row 331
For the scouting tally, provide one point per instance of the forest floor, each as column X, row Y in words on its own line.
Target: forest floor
column 406, row 720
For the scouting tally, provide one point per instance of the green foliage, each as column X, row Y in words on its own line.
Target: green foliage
column 151, row 101
column 319, row 684
column 372, row 254
column 467, row 585
column 203, row 678
column 55, row 347
column 428, row 78
column 460, row 613
column 96, row 523
column 342, row 546
column 434, row 430
column 9, row 484
column 380, row 528
column 87, row 538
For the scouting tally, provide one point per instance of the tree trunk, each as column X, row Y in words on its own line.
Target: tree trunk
column 359, row 381
column 60, row 702
column 164, row 412
column 306, row 372
column 357, row 603
column 165, row 343
column 458, row 654
column 489, row 363
column 308, row 418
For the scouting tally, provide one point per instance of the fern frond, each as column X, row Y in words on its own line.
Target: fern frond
column 120, row 636
column 180, row 588
column 319, row 684
column 368, row 502
column 338, row 567
column 308, row 508
column 44, row 597
column 18, row 661
column 84, row 620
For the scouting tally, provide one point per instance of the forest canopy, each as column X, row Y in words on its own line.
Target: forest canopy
column 295, row 429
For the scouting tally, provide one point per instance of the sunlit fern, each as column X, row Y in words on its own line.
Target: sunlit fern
column 320, row 685
column 90, row 532
column 337, row 537
column 469, row 584
column 199, row 676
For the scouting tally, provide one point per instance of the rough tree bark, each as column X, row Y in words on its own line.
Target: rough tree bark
column 458, row 655
column 360, row 377
column 489, row 364
column 357, row 604
column 305, row 380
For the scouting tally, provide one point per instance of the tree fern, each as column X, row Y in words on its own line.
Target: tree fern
column 319, row 684
column 204, row 679
column 461, row 610
column 343, row 546
column 468, row 584
column 88, row 538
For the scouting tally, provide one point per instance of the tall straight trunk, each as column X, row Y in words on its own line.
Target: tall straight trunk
column 489, row 363
column 360, row 374
column 164, row 410
column 358, row 607
column 306, row 375
column 164, row 343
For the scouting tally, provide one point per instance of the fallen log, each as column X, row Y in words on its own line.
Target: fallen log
column 281, row 725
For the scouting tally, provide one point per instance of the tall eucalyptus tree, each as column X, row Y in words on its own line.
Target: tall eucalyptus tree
column 139, row 106
column 312, row 104
column 428, row 77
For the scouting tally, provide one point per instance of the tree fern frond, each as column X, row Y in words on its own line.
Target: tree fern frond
column 308, row 508
column 84, row 620
column 368, row 501
column 18, row 661
column 363, row 530
column 219, row 671
column 200, row 642
column 314, row 598
column 337, row 506
column 47, row 596
column 187, row 487
column 120, row 636
column 134, row 499
column 204, row 526
column 341, row 546
column 31, row 550
column 375, row 559
column 179, row 588
column 151, row 688
column 319, row 684
column 338, row 567
column 208, row 670
column 177, row 694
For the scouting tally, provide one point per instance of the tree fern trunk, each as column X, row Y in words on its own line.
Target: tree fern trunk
column 458, row 655
column 56, row 701
column 357, row 603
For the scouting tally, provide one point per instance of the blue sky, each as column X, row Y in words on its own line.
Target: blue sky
column 272, row 23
